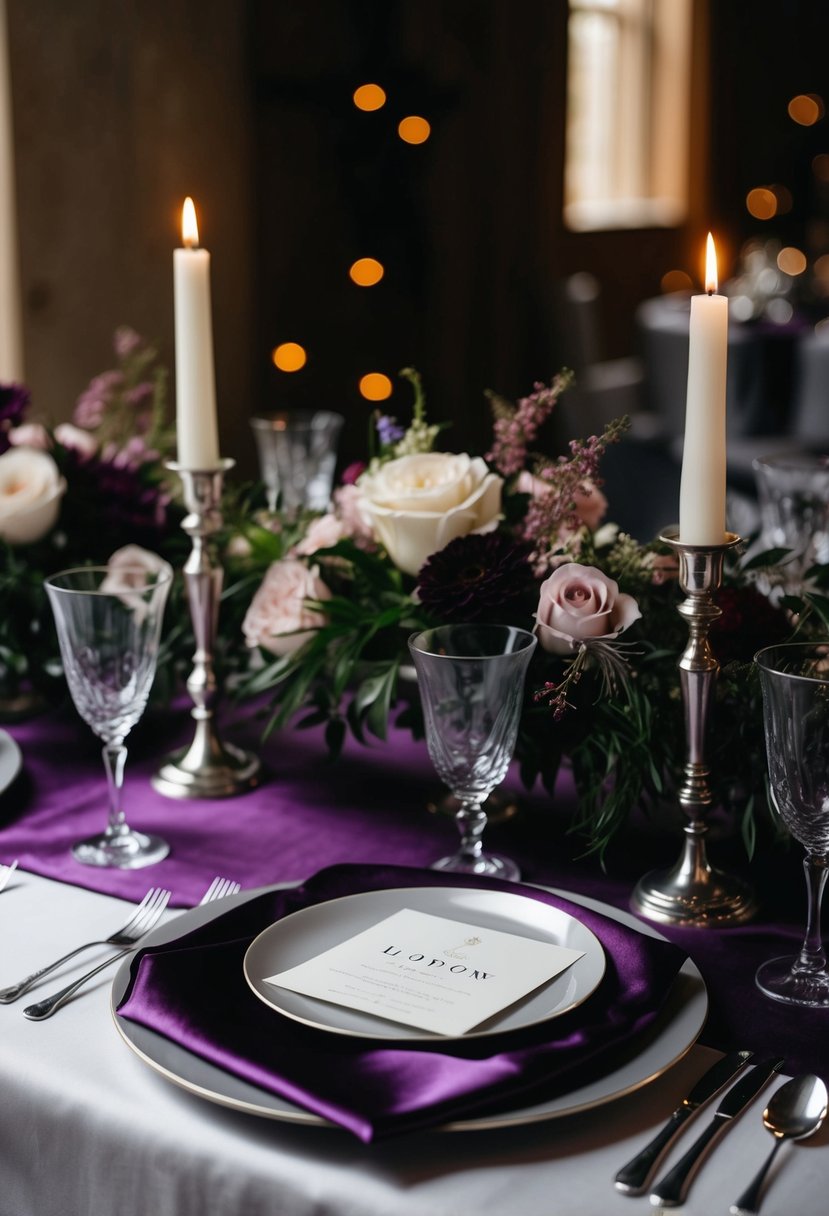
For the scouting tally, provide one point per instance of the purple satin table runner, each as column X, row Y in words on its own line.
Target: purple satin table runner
column 370, row 807
column 194, row 992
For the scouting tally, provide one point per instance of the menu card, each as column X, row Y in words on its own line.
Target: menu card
column 430, row 972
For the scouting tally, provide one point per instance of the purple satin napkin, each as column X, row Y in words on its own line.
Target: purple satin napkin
column 193, row 991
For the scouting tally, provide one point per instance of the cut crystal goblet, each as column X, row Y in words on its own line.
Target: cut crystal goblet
column 109, row 627
column 471, row 682
column 795, row 683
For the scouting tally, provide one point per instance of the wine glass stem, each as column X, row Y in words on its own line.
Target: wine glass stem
column 812, row 956
column 115, row 757
column 471, row 822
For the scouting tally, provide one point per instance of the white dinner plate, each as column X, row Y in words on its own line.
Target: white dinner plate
column 669, row 1037
column 296, row 938
column 11, row 760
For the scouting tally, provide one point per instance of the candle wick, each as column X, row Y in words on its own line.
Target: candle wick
column 710, row 291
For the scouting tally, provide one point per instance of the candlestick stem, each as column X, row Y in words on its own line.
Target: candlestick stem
column 207, row 768
column 692, row 892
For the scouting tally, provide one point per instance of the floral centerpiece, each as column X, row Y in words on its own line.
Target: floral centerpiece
column 417, row 537
column 78, row 494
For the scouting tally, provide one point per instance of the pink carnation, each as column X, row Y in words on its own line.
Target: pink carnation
column 278, row 618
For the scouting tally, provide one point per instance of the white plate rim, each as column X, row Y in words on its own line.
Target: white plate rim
column 694, row 1010
column 405, row 1034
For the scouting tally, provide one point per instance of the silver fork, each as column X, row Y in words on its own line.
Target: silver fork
column 125, row 936
column 45, row 1008
column 220, row 888
column 6, row 873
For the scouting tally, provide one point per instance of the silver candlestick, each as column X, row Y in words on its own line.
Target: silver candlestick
column 692, row 893
column 207, row 768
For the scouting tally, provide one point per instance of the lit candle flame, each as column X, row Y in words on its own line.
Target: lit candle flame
column 711, row 283
column 189, row 227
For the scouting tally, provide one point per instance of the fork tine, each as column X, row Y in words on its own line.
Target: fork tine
column 154, row 908
column 6, row 873
column 136, row 913
column 219, row 888
column 210, row 893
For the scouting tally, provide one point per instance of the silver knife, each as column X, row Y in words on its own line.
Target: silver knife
column 632, row 1179
column 670, row 1191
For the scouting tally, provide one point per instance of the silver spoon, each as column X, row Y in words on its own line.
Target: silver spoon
column 795, row 1111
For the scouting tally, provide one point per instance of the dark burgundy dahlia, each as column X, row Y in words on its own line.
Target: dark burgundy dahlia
column 14, row 401
column 748, row 623
column 477, row 578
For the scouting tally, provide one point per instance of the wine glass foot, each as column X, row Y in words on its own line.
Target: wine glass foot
column 128, row 851
column 486, row 865
column 778, row 980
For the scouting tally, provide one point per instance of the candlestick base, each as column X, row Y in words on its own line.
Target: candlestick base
column 207, row 768
column 691, row 892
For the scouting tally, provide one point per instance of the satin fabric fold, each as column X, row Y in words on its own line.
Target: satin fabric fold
column 193, row 992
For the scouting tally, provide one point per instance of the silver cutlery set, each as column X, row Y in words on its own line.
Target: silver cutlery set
column 796, row 1110
column 143, row 918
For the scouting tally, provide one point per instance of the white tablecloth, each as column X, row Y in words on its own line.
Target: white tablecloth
column 86, row 1129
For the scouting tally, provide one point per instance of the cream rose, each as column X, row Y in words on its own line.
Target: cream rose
column 418, row 503
column 30, row 491
column 278, row 619
column 577, row 603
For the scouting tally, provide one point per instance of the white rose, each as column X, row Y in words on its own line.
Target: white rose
column 278, row 618
column 30, row 491
column 418, row 504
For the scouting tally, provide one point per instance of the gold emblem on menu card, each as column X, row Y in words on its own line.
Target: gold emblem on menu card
column 455, row 952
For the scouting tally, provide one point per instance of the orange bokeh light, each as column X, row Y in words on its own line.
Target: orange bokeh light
column 289, row 356
column 369, row 97
column 806, row 109
column 366, row 272
column 374, row 386
column 791, row 261
column 414, row 129
column 676, row 280
column 761, row 203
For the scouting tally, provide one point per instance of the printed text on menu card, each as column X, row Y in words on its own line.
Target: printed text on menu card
column 426, row 971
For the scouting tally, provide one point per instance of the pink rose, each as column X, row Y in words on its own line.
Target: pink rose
column 75, row 437
column 30, row 435
column 323, row 532
column 278, row 619
column 580, row 602
column 350, row 508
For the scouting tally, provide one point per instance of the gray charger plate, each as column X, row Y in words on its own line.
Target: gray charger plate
column 667, row 1040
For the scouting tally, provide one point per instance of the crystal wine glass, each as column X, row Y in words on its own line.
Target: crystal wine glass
column 795, row 683
column 297, row 452
column 109, row 625
column 471, row 681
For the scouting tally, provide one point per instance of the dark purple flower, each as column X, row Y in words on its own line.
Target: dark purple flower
column 749, row 621
column 113, row 501
column 478, row 578
column 389, row 429
column 14, row 401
